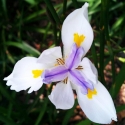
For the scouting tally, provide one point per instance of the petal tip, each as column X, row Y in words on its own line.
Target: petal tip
column 8, row 84
column 115, row 118
column 5, row 79
column 57, row 107
column 30, row 91
column 86, row 4
column 12, row 88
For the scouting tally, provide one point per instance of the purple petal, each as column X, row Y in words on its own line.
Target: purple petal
column 76, row 77
column 55, row 74
column 75, row 57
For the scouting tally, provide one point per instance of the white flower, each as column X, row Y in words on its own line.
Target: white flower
column 73, row 71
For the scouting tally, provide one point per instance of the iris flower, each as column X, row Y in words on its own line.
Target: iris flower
column 72, row 71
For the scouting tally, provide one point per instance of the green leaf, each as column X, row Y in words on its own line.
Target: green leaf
column 4, row 7
column 43, row 109
column 118, row 22
column 32, row 2
column 122, row 59
column 6, row 94
column 34, row 15
column 6, row 120
column 75, row 3
column 24, row 46
column 52, row 10
column 96, row 124
column 94, row 54
column 120, row 108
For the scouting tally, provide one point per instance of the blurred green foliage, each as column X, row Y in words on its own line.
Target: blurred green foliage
column 27, row 27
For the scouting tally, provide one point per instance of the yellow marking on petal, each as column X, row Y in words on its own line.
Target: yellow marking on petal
column 91, row 93
column 37, row 73
column 56, row 64
column 78, row 39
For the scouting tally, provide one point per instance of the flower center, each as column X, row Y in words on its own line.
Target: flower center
column 36, row 73
column 91, row 93
column 61, row 61
column 78, row 39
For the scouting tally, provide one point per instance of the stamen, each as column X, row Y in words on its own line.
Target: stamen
column 65, row 80
column 60, row 61
column 57, row 62
column 79, row 67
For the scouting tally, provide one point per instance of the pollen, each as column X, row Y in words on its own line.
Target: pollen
column 36, row 73
column 78, row 39
column 91, row 93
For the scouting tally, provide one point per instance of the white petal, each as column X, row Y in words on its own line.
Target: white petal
column 77, row 22
column 23, row 84
column 24, row 67
column 9, row 83
column 100, row 108
column 22, row 78
column 35, row 87
column 85, row 11
column 62, row 96
column 8, row 77
column 18, row 84
column 48, row 57
column 89, row 70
